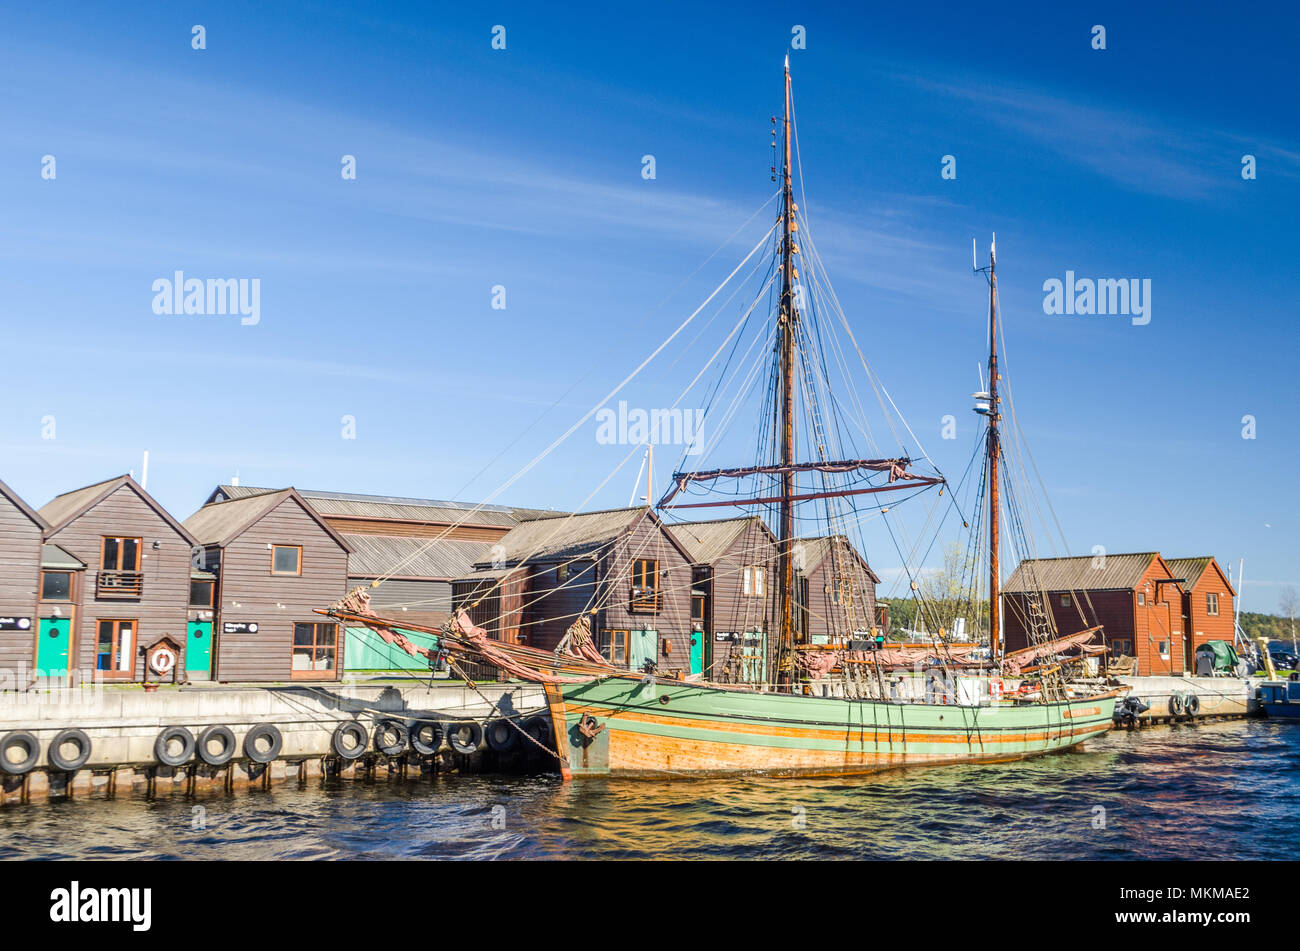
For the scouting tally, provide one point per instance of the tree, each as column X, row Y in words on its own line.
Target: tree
column 949, row 595
column 1289, row 604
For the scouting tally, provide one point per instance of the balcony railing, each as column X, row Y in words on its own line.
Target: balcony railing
column 122, row 585
column 646, row 600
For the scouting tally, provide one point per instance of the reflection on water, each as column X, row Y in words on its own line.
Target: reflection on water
column 1226, row 790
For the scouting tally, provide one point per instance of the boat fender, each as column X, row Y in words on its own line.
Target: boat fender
column 1192, row 704
column 28, row 742
column 356, row 748
column 539, row 728
column 161, row 751
column 465, row 736
column 55, row 754
column 268, row 732
column 399, row 734
column 501, row 735
column 426, row 737
column 1176, row 704
column 227, row 751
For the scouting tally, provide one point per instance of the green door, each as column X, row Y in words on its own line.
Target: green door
column 198, row 650
column 54, row 634
column 642, row 646
column 697, row 652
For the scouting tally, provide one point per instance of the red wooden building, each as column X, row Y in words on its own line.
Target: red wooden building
column 1136, row 597
column 1207, row 607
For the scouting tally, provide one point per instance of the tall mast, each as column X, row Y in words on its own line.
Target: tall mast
column 786, row 322
column 994, row 449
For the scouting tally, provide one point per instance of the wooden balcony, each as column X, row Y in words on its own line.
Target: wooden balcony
column 119, row 585
column 645, row 601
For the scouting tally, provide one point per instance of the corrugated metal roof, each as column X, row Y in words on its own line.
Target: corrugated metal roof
column 377, row 555
column 57, row 510
column 706, row 542
column 399, row 507
column 1082, row 573
column 1189, row 568
column 54, row 557
column 566, row 537
column 218, row 521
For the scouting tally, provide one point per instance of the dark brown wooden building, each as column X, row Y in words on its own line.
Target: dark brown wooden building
column 1136, row 597
column 835, row 589
column 275, row 561
column 733, row 563
column 1207, row 606
column 21, row 530
column 134, row 588
column 620, row 567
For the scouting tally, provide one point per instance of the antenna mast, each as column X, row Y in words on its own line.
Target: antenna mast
column 994, row 449
column 786, row 321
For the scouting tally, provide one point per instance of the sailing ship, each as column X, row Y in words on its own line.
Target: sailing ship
column 849, row 704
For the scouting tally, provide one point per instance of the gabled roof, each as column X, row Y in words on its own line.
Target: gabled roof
column 58, row 559
column 404, row 556
column 355, row 505
column 22, row 506
column 573, row 535
column 816, row 550
column 220, row 523
column 62, row 509
column 1081, row 573
column 1193, row 568
column 706, row 542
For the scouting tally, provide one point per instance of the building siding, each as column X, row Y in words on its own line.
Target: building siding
column 246, row 581
column 20, row 556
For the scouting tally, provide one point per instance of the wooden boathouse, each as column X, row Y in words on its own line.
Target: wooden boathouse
column 21, row 533
column 836, row 589
column 620, row 567
column 1136, row 597
column 1208, row 599
column 275, row 562
column 732, row 604
column 133, row 589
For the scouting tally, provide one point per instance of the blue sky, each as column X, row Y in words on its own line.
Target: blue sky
column 522, row 168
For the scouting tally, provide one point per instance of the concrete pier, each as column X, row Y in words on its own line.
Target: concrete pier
column 1217, row 697
column 124, row 723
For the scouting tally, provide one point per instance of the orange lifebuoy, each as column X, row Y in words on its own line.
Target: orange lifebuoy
column 996, row 688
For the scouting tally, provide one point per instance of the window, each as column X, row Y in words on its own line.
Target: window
column 120, row 554
column 315, row 650
column 1065, row 600
column 1142, row 598
column 56, row 586
column 115, row 649
column 1122, row 646
column 1164, row 648
column 755, row 581
column 613, row 646
column 201, row 593
column 286, row 559
column 562, row 572
column 1211, row 603
column 645, row 584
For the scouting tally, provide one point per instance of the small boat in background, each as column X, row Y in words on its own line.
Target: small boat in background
column 1280, row 699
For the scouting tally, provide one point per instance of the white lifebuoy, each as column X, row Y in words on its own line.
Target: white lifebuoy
column 162, row 661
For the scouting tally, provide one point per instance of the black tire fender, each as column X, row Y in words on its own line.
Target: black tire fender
column 502, row 735
column 539, row 728
column 1192, row 704
column 401, row 736
column 228, row 746
column 1175, row 704
column 472, row 740
column 426, row 736
column 164, row 740
column 264, row 730
column 55, row 752
column 354, row 729
column 29, row 742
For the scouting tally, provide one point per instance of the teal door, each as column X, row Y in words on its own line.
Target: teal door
column 697, row 652
column 198, row 649
column 642, row 646
column 53, row 636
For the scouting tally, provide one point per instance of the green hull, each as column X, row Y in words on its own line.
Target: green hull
column 673, row 728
